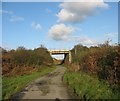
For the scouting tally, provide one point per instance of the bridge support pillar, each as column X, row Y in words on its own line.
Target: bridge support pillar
column 70, row 57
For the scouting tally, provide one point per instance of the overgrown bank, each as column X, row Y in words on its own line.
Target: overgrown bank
column 21, row 66
column 100, row 63
column 24, row 61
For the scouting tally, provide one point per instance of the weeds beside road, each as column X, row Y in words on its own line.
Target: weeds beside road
column 12, row 85
column 84, row 86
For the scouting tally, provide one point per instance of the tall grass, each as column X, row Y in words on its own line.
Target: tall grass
column 12, row 85
column 84, row 86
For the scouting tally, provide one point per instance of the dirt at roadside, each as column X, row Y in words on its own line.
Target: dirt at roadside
column 46, row 87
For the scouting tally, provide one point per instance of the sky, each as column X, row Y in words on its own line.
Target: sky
column 58, row 25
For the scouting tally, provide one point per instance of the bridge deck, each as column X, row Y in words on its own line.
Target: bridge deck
column 59, row 51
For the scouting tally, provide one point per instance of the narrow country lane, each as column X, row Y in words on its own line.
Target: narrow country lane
column 46, row 87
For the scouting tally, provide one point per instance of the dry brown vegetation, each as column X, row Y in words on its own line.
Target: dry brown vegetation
column 23, row 61
column 102, row 60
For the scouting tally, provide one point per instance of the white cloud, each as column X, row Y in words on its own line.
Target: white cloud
column 112, row 35
column 60, row 32
column 15, row 18
column 74, row 12
column 83, row 40
column 86, row 41
column 79, row 11
column 6, row 12
column 36, row 26
column 48, row 10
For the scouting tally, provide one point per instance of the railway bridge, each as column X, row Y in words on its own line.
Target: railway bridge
column 65, row 52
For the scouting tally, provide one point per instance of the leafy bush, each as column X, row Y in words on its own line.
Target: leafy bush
column 109, row 67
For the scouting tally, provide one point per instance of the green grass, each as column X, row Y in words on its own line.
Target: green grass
column 12, row 85
column 84, row 86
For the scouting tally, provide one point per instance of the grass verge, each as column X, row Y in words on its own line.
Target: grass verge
column 84, row 86
column 12, row 85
